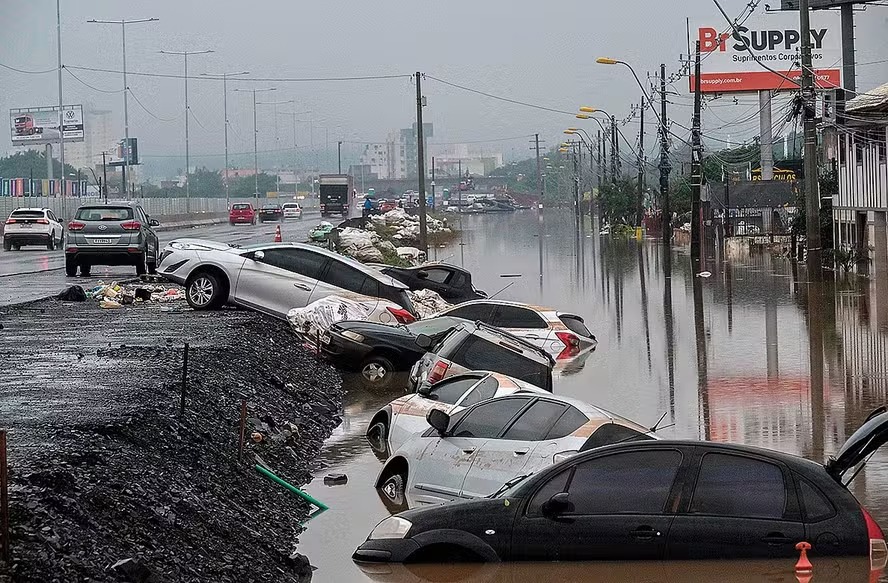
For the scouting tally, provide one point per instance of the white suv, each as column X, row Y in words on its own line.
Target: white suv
column 32, row 226
column 292, row 210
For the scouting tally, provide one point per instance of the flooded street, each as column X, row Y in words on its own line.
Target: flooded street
column 724, row 357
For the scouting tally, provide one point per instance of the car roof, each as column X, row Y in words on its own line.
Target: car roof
column 482, row 328
column 31, row 209
column 506, row 303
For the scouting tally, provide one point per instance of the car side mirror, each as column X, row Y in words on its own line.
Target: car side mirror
column 439, row 420
column 422, row 275
column 558, row 504
column 154, row 222
column 258, row 255
column 423, row 341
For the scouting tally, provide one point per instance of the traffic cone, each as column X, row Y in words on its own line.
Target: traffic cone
column 277, row 235
column 804, row 566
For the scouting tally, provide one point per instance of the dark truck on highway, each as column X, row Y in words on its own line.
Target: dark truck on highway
column 336, row 194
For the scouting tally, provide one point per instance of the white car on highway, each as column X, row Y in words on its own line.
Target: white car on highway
column 473, row 453
column 561, row 334
column 276, row 277
column 292, row 210
column 32, row 226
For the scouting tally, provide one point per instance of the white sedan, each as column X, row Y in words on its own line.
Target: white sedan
column 292, row 210
column 276, row 277
column 396, row 423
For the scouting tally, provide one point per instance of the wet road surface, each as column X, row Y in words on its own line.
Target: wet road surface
column 725, row 358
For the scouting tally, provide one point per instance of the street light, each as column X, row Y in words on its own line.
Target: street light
column 187, row 158
column 255, row 139
column 126, row 150
column 610, row 61
column 225, row 77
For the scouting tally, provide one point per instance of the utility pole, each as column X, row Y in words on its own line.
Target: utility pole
column 433, row 184
column 639, row 204
column 812, row 191
column 599, row 159
column 420, row 167
column 225, row 113
column 255, row 140
column 576, row 149
column 603, row 139
column 61, row 111
column 665, row 166
column 696, row 167
column 536, row 140
column 339, row 156
column 617, row 148
column 104, row 178
column 614, row 150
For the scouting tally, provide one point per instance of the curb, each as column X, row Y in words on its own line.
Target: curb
column 185, row 224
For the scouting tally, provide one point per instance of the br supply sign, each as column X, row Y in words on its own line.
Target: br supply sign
column 739, row 60
column 40, row 125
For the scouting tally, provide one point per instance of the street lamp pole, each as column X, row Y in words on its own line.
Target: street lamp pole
column 255, row 140
column 61, row 112
column 225, row 77
column 126, row 149
column 339, row 155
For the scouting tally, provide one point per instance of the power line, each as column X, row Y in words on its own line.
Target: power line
column 244, row 79
column 92, row 86
column 500, row 98
column 17, row 70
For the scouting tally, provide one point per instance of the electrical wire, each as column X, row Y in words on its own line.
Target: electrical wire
column 500, row 98
column 245, row 79
column 142, row 105
column 69, row 72
column 25, row 71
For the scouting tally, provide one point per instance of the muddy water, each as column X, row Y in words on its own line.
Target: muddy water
column 725, row 357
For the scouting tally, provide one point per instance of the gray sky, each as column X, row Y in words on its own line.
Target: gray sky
column 542, row 53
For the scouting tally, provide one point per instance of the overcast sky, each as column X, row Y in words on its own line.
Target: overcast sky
column 541, row 53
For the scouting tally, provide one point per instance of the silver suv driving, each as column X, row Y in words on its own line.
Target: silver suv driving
column 117, row 233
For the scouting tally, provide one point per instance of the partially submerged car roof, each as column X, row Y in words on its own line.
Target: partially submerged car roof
column 523, row 344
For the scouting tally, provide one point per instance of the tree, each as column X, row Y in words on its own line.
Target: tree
column 245, row 186
column 617, row 202
column 206, row 183
column 23, row 164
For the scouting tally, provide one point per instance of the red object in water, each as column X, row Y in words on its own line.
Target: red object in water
column 804, row 565
column 277, row 235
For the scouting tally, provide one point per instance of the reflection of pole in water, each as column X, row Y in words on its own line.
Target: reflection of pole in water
column 642, row 277
column 540, row 235
column 771, row 325
column 815, row 358
column 702, row 359
column 729, row 293
column 670, row 330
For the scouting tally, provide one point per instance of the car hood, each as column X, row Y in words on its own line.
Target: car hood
column 872, row 435
column 371, row 328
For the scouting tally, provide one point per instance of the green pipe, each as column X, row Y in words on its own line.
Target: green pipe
column 291, row 488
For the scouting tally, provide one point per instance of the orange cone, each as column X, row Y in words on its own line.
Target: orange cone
column 277, row 235
column 804, row 566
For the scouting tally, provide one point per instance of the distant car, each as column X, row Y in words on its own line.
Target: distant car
column 395, row 423
column 242, row 212
column 452, row 283
column 271, row 212
column 561, row 334
column 119, row 233
column 653, row 500
column 292, row 210
column 32, row 226
column 478, row 346
column 274, row 278
column 384, row 206
column 379, row 351
column 472, row 453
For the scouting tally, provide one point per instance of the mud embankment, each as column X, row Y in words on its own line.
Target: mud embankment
column 103, row 469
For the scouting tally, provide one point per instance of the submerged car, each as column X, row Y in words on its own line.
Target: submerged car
column 111, row 234
column 276, row 277
column 395, row 423
column 653, row 500
column 561, row 334
column 472, row 453
column 379, row 351
column 478, row 346
column 452, row 283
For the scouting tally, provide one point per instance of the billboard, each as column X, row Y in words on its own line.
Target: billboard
column 40, row 125
column 773, row 39
column 124, row 156
column 820, row 4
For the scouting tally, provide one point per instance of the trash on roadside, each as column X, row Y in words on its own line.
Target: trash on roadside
column 316, row 317
column 110, row 304
column 411, row 254
column 321, row 231
column 73, row 293
column 256, row 436
column 335, row 479
column 427, row 302
column 142, row 294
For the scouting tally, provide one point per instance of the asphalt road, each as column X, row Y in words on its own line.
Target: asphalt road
column 34, row 272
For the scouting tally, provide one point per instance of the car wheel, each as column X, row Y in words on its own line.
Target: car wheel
column 7, row 245
column 51, row 243
column 203, row 291
column 70, row 268
column 377, row 372
column 152, row 267
column 377, row 434
column 393, row 489
column 84, row 269
column 141, row 268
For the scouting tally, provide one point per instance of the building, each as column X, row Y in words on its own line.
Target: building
column 407, row 150
column 99, row 136
column 754, row 207
column 374, row 161
column 860, row 209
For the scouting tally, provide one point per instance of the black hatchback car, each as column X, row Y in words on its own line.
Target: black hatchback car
column 452, row 283
column 379, row 351
column 652, row 500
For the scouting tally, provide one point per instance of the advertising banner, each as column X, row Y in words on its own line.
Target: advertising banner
column 765, row 52
column 40, row 125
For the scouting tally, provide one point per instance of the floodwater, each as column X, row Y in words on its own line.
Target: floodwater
column 724, row 357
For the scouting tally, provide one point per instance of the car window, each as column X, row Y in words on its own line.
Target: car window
column 296, row 260
column 345, row 277
column 732, row 485
column 51, row 216
column 438, row 275
column 570, row 421
column 485, row 390
column 105, row 213
column 610, row 433
column 240, row 207
column 458, row 280
column 515, row 317
column 554, row 486
column 449, row 391
column 370, row 287
column 26, row 214
column 474, row 313
column 817, row 506
column 635, row 482
column 476, row 353
column 489, row 419
column 535, row 423
column 575, row 324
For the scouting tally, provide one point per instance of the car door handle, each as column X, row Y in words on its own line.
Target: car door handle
column 302, row 286
column 776, row 538
column 521, row 451
column 644, row 533
column 469, row 450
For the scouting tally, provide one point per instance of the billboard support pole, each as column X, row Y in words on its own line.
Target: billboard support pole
column 61, row 111
column 665, row 166
column 849, row 76
column 766, row 139
column 49, row 170
column 812, row 194
column 696, row 167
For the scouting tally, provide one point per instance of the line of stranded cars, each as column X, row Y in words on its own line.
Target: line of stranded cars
column 483, row 462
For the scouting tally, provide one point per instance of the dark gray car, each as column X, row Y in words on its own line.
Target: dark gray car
column 111, row 234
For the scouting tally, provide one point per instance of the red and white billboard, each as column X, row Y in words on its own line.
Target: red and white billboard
column 773, row 41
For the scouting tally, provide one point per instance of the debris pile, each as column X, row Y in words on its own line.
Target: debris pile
column 361, row 245
column 116, row 295
column 318, row 316
column 407, row 226
column 427, row 302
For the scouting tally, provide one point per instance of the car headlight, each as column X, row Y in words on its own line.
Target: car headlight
column 391, row 527
column 187, row 247
column 352, row 335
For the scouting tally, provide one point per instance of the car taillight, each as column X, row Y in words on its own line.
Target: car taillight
column 878, row 548
column 10, row 221
column 401, row 315
column 571, row 344
column 76, row 226
column 438, row 372
column 42, row 222
column 131, row 226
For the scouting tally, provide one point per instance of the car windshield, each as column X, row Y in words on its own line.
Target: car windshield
column 432, row 326
column 575, row 324
column 291, row 205
column 476, row 353
column 104, row 213
column 270, row 207
column 26, row 215
column 240, row 207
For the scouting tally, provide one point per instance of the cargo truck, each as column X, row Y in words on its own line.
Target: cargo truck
column 336, row 193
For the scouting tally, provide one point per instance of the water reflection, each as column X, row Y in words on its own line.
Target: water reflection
column 727, row 357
